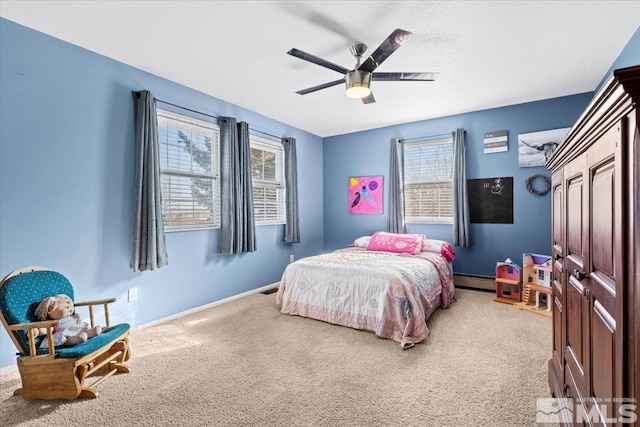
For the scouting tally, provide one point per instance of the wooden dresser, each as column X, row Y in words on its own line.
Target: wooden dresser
column 596, row 258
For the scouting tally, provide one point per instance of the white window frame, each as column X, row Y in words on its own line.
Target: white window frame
column 261, row 205
column 172, row 171
column 428, row 163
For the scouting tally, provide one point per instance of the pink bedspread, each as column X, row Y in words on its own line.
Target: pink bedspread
column 389, row 294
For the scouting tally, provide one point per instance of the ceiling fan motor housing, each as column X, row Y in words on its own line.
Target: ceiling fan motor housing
column 358, row 83
column 358, row 50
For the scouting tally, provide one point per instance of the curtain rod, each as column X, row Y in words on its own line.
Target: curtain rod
column 279, row 139
column 417, row 138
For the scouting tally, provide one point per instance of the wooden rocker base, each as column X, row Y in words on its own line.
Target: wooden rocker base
column 46, row 377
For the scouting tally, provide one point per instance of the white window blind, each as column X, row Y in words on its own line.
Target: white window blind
column 267, row 173
column 189, row 170
column 428, row 181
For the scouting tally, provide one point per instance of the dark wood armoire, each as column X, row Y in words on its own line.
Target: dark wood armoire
column 596, row 253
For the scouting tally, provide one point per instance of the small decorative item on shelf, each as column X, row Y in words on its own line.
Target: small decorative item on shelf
column 508, row 282
column 536, row 275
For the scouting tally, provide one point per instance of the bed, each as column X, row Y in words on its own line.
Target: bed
column 389, row 291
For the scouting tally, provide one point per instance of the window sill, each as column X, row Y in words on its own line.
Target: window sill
column 177, row 230
column 432, row 222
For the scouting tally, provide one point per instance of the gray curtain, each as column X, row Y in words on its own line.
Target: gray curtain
column 237, row 225
column 148, row 250
column 292, row 227
column 461, row 235
column 395, row 221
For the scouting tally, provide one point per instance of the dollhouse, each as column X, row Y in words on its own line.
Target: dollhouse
column 508, row 282
column 536, row 269
column 536, row 276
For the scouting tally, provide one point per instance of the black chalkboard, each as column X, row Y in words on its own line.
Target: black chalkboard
column 491, row 200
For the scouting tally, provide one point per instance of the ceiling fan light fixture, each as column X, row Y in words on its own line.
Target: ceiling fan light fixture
column 358, row 84
column 358, row 92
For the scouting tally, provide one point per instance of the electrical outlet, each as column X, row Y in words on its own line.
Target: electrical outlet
column 133, row 294
column 292, row 258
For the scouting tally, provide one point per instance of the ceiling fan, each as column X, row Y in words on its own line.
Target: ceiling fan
column 358, row 80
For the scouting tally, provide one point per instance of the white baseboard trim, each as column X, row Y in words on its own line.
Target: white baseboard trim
column 13, row 368
column 204, row 307
column 8, row 369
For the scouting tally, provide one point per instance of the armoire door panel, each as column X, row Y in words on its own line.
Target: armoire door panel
column 576, row 350
column 603, row 327
column 602, row 289
column 557, row 250
column 575, row 229
column 602, row 219
column 573, row 311
column 572, row 390
column 558, row 343
column 558, row 217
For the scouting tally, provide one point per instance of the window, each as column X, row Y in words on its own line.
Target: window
column 189, row 172
column 428, row 181
column 267, row 173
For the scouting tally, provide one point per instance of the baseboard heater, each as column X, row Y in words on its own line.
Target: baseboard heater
column 470, row 281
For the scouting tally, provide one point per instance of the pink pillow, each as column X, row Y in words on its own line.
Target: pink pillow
column 390, row 242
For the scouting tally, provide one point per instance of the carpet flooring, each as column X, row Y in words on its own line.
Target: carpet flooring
column 243, row 363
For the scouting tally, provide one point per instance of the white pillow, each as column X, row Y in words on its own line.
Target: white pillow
column 441, row 247
column 361, row 242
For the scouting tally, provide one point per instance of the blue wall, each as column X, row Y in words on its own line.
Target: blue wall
column 629, row 56
column 66, row 184
column 367, row 153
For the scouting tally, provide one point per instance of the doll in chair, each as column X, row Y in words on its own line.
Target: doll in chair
column 71, row 330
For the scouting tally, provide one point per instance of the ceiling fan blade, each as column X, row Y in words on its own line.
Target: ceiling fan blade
column 369, row 99
column 319, row 61
column 385, row 49
column 319, row 87
column 302, row 11
column 415, row 77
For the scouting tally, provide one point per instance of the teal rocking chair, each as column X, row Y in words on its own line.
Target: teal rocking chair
column 57, row 372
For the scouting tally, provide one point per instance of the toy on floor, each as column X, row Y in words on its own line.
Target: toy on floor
column 536, row 276
column 71, row 330
column 537, row 269
column 508, row 284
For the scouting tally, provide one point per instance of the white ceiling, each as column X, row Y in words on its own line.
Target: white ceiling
column 488, row 53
